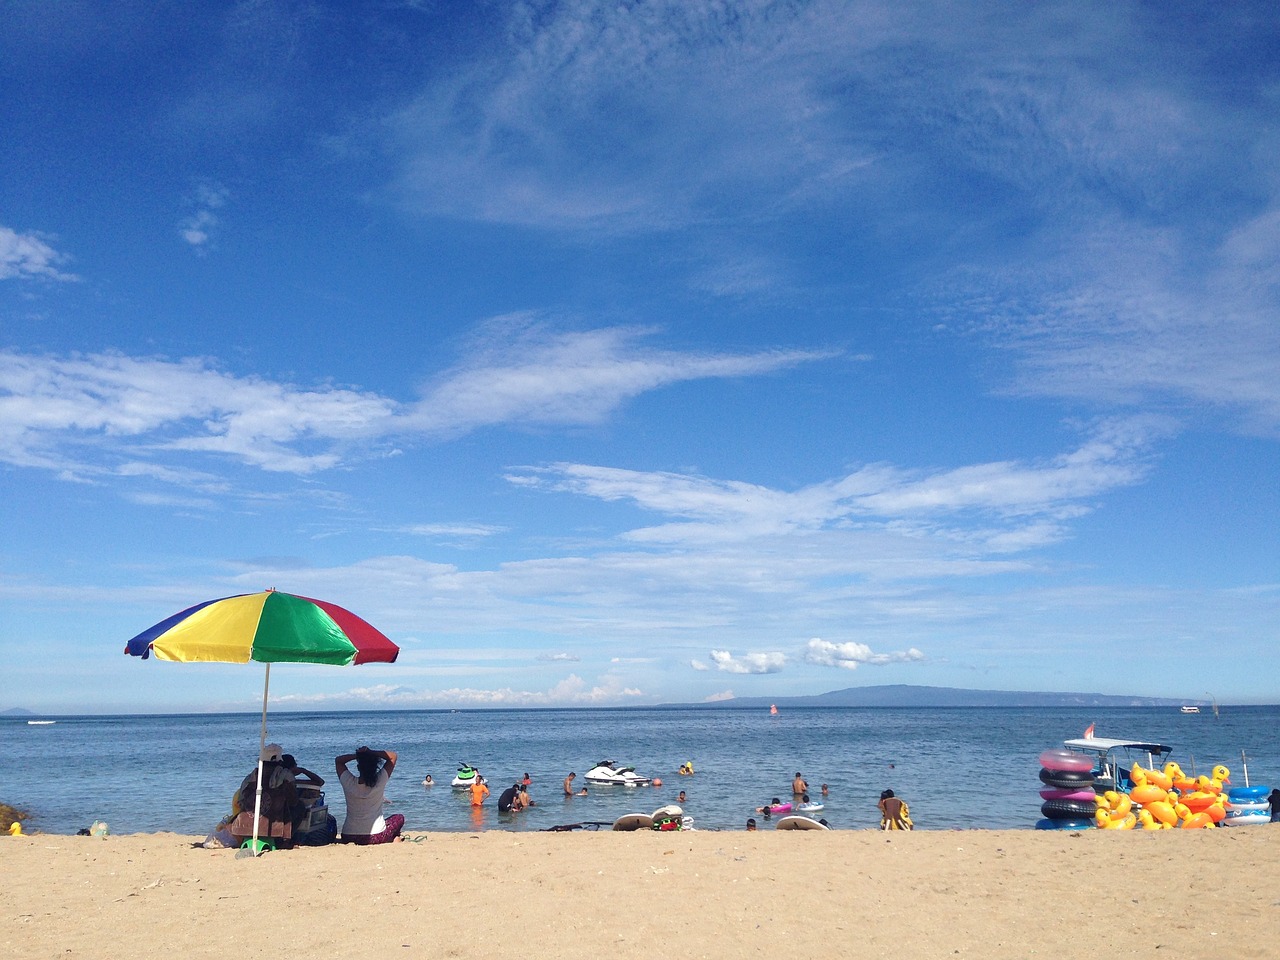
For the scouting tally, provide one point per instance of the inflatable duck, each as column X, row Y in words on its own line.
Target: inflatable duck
column 15, row 829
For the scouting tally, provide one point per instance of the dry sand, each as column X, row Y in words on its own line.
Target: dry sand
column 927, row 894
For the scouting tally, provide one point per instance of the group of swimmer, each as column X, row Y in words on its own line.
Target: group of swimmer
column 364, row 792
column 894, row 814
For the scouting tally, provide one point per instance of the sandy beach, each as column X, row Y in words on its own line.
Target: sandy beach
column 925, row 894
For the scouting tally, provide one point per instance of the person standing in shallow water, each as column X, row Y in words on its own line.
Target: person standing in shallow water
column 799, row 785
column 894, row 814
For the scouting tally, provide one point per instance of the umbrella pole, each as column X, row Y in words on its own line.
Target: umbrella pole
column 262, row 744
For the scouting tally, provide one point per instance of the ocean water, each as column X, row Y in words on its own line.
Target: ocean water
column 958, row 768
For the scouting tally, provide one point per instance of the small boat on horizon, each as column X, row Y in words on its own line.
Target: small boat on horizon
column 40, row 723
column 1190, row 709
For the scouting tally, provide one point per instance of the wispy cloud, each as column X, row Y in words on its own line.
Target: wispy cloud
column 572, row 691
column 28, row 255
column 518, row 370
column 452, row 531
column 197, row 228
column 81, row 414
column 1026, row 500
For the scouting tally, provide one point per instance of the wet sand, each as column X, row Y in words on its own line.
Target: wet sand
column 926, row 894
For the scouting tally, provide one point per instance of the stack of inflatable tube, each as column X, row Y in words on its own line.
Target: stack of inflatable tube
column 1069, row 801
column 1247, row 806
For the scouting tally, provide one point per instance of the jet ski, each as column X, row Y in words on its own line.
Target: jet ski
column 466, row 776
column 607, row 773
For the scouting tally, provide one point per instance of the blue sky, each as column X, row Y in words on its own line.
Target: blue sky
column 626, row 353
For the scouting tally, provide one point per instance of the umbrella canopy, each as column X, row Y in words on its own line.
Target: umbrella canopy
column 269, row 627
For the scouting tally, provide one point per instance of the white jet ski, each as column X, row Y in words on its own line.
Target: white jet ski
column 607, row 773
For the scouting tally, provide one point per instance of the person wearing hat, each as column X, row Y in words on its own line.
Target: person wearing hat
column 277, row 806
column 364, row 791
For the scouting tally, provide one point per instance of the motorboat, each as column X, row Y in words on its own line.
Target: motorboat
column 607, row 773
column 1113, row 759
column 1190, row 709
column 466, row 776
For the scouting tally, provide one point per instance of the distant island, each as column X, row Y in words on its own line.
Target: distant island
column 16, row 712
column 907, row 695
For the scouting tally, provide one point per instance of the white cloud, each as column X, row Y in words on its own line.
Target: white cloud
column 748, row 662
column 74, row 413
column 54, row 410
column 572, row 691
column 1025, row 502
column 196, row 229
column 25, row 255
column 850, row 654
column 452, row 530
column 559, row 657
column 719, row 697
column 519, row 371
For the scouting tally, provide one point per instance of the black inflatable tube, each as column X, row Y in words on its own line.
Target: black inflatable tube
column 1068, row 809
column 1068, row 779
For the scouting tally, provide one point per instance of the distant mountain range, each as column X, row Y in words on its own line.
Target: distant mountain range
column 16, row 712
column 906, row 695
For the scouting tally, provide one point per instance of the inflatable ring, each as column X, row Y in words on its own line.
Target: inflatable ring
column 1148, row 793
column 1199, row 802
column 1066, row 779
column 1247, row 793
column 1237, row 807
column 1127, row 822
column 1162, row 810
column 1197, row 821
column 1068, row 809
column 1246, row 820
column 1048, row 824
column 1060, row 793
column 1060, row 758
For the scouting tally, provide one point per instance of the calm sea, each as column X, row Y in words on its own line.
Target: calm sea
column 958, row 768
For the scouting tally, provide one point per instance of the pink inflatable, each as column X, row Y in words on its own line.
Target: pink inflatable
column 1060, row 758
column 1057, row 793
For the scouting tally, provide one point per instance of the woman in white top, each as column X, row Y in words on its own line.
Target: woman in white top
column 365, row 822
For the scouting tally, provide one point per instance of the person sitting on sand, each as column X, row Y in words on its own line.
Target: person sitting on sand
column 1274, row 800
column 751, row 823
column 301, row 774
column 364, row 793
column 278, row 806
column 799, row 785
column 894, row 814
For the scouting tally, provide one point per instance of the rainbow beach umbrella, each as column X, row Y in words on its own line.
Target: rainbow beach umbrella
column 269, row 627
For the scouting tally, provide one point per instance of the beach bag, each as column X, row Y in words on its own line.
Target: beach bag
column 324, row 834
column 220, row 837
